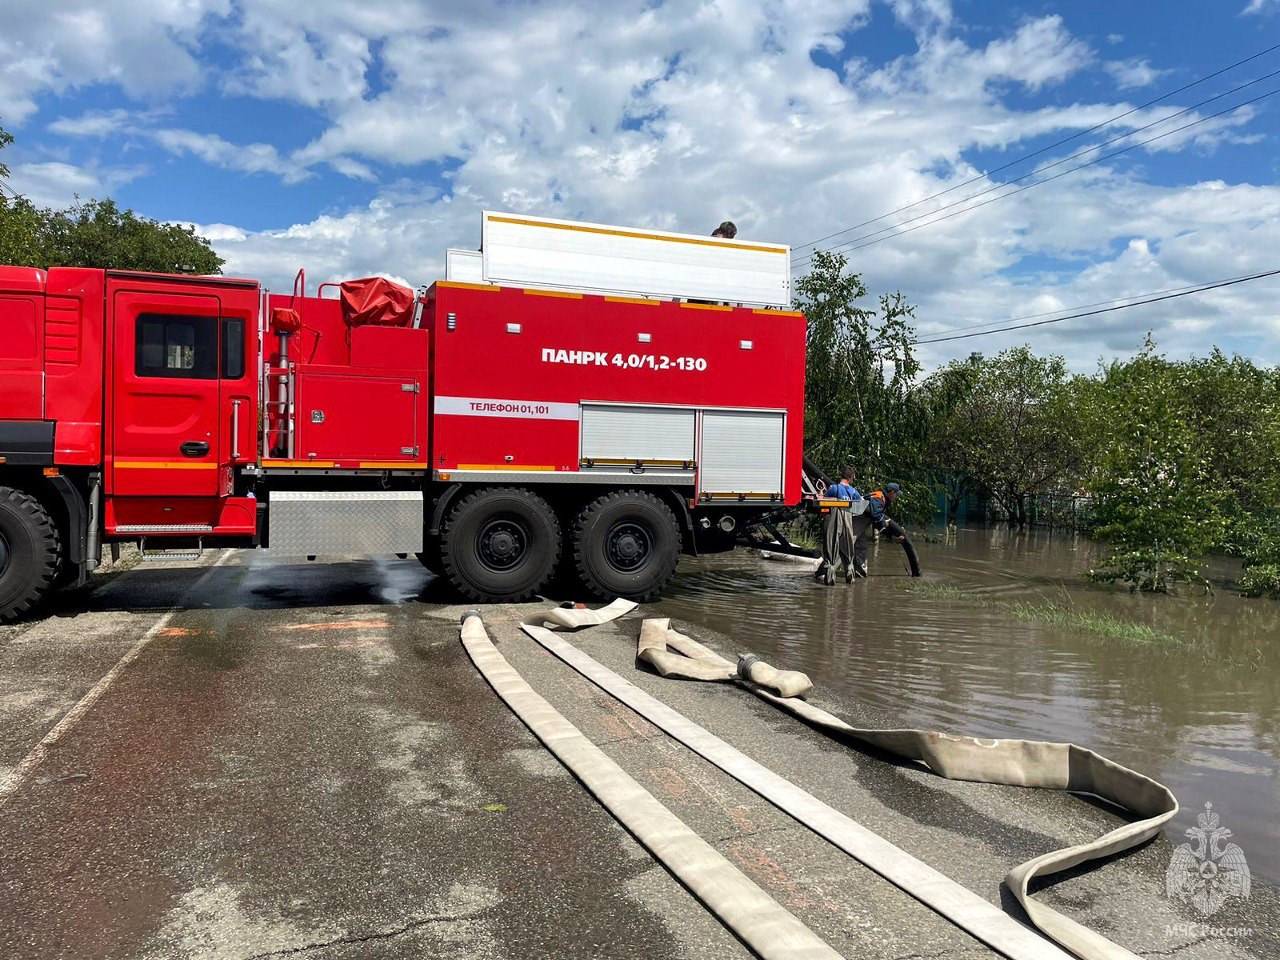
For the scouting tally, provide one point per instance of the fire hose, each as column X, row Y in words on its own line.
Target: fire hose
column 759, row 920
column 1013, row 762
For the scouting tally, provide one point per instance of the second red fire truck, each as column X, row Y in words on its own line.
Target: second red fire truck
column 573, row 396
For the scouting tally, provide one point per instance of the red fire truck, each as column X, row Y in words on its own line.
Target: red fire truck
column 573, row 396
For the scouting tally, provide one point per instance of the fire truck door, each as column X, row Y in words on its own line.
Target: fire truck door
column 165, row 429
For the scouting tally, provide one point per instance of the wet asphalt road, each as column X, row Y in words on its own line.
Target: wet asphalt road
column 300, row 761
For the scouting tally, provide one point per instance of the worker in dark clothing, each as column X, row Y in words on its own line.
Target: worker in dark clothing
column 841, row 531
column 726, row 231
column 881, row 501
column 878, row 504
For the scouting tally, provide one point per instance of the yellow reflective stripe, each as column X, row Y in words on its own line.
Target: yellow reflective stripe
column 705, row 306
column 163, row 465
column 651, row 303
column 501, row 466
column 554, row 293
column 298, row 463
column 637, row 234
column 459, row 285
column 391, row 464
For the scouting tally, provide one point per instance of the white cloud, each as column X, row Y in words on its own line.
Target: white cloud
column 681, row 114
column 1133, row 73
column 143, row 46
column 57, row 184
column 95, row 123
column 208, row 147
column 212, row 149
column 1259, row 6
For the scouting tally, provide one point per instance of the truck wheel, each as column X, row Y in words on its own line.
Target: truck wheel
column 430, row 557
column 500, row 544
column 626, row 544
column 30, row 550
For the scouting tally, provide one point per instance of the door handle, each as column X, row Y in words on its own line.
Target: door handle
column 194, row 448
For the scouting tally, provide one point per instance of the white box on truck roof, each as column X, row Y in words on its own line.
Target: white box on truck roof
column 520, row 250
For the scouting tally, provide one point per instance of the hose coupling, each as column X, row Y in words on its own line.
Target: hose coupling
column 745, row 662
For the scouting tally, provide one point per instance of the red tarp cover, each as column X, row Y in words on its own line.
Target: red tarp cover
column 376, row 301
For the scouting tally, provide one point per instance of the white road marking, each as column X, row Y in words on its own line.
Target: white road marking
column 22, row 771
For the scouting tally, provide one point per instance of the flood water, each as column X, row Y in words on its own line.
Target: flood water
column 1200, row 715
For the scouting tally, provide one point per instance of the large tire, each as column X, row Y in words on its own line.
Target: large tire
column 500, row 544
column 626, row 544
column 30, row 553
column 430, row 557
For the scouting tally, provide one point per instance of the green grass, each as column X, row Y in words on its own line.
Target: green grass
column 1058, row 614
column 936, row 590
column 1100, row 624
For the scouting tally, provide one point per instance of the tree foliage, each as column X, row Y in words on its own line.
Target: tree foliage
column 862, row 401
column 1178, row 459
column 1186, row 461
column 97, row 233
column 1004, row 425
column 1151, row 477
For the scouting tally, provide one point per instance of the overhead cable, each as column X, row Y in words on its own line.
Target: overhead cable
column 873, row 239
column 1203, row 288
column 1045, row 149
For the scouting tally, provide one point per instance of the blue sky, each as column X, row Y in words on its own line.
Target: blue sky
column 353, row 139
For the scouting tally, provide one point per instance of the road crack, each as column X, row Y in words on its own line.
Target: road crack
column 350, row 939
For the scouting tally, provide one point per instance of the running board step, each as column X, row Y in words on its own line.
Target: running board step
column 165, row 528
column 162, row 554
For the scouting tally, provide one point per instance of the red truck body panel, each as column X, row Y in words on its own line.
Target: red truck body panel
column 360, row 393
column 508, row 397
column 154, row 378
column 171, row 340
column 22, row 343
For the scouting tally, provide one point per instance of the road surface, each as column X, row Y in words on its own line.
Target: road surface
column 240, row 758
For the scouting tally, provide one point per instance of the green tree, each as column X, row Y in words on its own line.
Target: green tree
column 97, row 233
column 1152, row 481
column 948, row 438
column 1004, row 424
column 6, row 138
column 861, row 402
column 1187, row 463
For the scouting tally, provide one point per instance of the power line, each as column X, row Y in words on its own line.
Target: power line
column 1057, row 163
column 1115, row 153
column 1036, row 153
column 1202, row 288
column 1078, row 306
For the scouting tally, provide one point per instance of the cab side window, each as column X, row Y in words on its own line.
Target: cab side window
column 232, row 348
column 184, row 348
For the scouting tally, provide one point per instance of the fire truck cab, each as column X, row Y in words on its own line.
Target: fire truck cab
column 572, row 397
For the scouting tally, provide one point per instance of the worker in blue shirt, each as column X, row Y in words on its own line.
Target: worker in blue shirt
column 881, row 501
column 842, row 532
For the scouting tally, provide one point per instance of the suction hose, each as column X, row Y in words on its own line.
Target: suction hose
column 893, row 530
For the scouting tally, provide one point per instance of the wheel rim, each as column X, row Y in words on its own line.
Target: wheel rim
column 502, row 544
column 629, row 546
column 4, row 555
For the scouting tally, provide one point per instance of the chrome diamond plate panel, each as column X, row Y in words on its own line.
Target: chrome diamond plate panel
column 345, row 522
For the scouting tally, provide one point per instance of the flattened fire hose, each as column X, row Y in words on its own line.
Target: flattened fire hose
column 755, row 917
column 1015, row 762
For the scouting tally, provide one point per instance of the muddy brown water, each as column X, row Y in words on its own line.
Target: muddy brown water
column 1201, row 714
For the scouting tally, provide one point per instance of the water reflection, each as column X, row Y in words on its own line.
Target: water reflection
column 1202, row 716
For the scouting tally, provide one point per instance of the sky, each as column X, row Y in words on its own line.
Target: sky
column 366, row 138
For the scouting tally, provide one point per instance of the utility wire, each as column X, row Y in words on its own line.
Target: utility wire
column 1093, row 313
column 1036, row 153
column 1115, row 153
column 1078, row 306
column 1057, row 163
